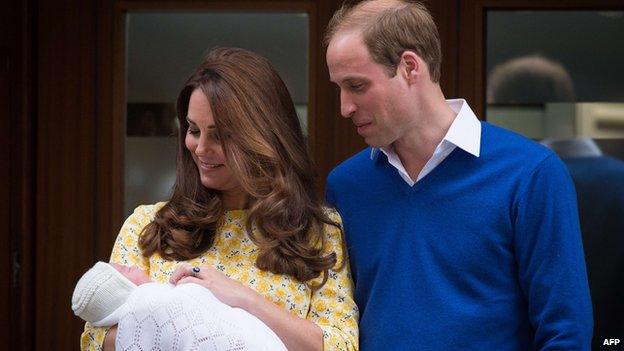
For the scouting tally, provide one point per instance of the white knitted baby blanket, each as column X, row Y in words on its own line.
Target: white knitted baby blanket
column 188, row 317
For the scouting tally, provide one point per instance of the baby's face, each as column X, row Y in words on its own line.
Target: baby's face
column 134, row 274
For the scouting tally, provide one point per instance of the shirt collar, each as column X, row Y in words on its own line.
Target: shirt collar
column 464, row 132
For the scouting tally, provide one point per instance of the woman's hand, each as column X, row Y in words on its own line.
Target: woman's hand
column 109, row 339
column 227, row 290
column 296, row 333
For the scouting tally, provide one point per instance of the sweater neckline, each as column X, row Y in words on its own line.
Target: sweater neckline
column 423, row 183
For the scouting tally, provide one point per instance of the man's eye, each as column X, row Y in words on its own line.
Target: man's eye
column 356, row 87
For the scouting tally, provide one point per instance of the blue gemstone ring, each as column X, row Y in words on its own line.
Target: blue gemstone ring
column 195, row 271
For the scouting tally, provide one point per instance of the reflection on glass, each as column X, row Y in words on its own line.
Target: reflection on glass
column 536, row 58
column 584, row 43
column 554, row 76
column 150, row 119
column 529, row 79
column 547, row 69
column 162, row 50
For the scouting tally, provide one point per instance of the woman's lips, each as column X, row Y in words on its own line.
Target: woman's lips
column 206, row 166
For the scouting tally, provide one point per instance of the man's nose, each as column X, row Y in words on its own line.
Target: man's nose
column 347, row 107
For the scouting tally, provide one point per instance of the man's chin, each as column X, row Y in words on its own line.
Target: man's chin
column 376, row 143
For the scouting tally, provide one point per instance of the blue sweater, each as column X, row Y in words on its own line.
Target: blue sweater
column 484, row 253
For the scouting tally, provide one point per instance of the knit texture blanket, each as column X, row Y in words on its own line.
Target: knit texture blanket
column 188, row 317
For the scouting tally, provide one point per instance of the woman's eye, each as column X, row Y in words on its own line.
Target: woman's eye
column 193, row 131
column 214, row 135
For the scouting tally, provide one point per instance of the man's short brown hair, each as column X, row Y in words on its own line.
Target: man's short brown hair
column 389, row 28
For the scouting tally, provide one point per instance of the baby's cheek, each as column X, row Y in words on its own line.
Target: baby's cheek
column 137, row 277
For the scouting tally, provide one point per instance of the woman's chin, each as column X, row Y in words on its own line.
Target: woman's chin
column 210, row 184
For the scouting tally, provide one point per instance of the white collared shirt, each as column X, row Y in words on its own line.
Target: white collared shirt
column 464, row 132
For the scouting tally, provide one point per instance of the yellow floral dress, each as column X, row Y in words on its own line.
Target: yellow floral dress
column 331, row 307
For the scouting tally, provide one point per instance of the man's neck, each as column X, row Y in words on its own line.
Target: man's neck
column 417, row 146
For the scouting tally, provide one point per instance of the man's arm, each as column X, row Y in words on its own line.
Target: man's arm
column 551, row 264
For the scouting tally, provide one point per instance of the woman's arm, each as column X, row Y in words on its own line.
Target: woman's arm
column 125, row 251
column 109, row 340
column 296, row 333
column 331, row 323
column 92, row 338
column 332, row 307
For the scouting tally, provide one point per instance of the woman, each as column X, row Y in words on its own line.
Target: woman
column 244, row 211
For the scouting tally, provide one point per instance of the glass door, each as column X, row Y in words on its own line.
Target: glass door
column 552, row 72
column 162, row 49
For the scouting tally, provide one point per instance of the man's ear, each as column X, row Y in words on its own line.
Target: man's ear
column 411, row 66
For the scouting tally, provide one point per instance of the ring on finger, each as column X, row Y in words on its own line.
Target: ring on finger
column 195, row 271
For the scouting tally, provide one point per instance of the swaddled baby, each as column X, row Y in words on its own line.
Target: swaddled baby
column 153, row 316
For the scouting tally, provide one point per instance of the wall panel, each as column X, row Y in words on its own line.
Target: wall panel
column 65, row 165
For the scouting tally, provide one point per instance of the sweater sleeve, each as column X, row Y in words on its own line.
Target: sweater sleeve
column 126, row 251
column 332, row 307
column 551, row 265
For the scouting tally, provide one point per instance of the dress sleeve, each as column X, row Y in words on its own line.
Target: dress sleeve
column 126, row 251
column 332, row 307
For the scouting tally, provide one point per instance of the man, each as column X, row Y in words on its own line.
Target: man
column 461, row 235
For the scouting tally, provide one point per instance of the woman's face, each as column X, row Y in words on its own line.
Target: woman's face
column 202, row 141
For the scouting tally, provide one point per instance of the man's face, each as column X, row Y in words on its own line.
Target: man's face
column 368, row 95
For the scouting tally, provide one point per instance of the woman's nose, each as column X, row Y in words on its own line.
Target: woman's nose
column 204, row 146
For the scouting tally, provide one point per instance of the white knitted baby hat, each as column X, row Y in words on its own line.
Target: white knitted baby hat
column 99, row 292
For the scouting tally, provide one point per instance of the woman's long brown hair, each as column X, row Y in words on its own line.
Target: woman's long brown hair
column 264, row 147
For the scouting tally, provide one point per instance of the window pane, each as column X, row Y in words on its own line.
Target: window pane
column 544, row 67
column 555, row 76
column 162, row 50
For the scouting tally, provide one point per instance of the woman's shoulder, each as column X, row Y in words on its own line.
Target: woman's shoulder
column 141, row 217
column 147, row 212
column 332, row 214
column 333, row 233
column 126, row 249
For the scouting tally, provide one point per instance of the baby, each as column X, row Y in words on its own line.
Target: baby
column 153, row 316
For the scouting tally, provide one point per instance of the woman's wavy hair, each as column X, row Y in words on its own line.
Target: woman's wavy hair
column 257, row 124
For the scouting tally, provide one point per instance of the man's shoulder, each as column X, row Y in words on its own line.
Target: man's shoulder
column 352, row 166
column 500, row 142
column 522, row 158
